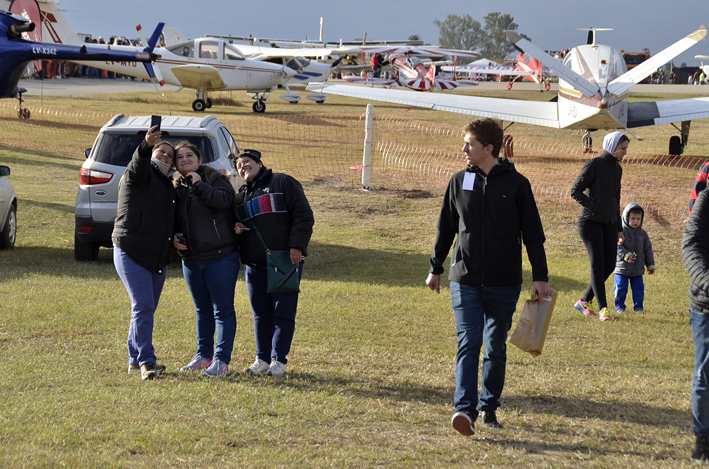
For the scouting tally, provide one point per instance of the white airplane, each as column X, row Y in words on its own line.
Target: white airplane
column 593, row 93
column 204, row 64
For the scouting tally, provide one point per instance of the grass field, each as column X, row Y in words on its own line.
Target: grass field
column 371, row 377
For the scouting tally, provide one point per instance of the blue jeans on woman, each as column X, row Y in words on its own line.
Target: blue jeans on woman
column 482, row 314
column 144, row 288
column 211, row 284
column 700, row 378
column 274, row 316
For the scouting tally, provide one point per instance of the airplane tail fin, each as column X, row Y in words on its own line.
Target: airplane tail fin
column 431, row 73
column 624, row 82
column 55, row 26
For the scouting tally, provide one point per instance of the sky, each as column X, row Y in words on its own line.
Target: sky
column 551, row 24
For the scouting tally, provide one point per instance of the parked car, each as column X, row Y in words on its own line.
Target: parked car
column 106, row 161
column 8, row 211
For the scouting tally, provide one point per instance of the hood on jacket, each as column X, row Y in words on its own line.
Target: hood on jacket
column 207, row 173
column 503, row 164
column 626, row 214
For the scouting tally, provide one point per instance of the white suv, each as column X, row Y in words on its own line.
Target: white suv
column 97, row 197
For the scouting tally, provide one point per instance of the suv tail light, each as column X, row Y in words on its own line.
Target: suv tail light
column 91, row 176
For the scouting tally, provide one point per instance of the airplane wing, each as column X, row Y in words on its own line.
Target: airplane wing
column 416, row 50
column 666, row 112
column 580, row 83
column 524, row 112
column 494, row 70
column 624, row 82
column 267, row 53
column 198, row 77
column 368, row 80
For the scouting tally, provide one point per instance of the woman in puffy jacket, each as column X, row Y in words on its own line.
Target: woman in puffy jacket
column 205, row 239
column 597, row 190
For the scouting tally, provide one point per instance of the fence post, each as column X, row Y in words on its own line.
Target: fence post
column 366, row 158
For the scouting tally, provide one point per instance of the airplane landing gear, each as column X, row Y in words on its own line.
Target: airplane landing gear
column 209, row 103
column 677, row 143
column 259, row 107
column 22, row 113
column 199, row 105
column 587, row 141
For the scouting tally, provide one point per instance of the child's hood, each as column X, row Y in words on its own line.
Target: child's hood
column 626, row 214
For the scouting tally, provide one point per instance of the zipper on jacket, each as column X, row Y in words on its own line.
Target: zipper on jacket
column 482, row 264
column 214, row 222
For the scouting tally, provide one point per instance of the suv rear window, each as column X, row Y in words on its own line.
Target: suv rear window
column 117, row 149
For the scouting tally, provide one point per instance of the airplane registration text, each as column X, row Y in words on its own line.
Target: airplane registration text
column 44, row 50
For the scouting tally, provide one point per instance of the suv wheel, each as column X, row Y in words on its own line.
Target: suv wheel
column 85, row 251
column 9, row 231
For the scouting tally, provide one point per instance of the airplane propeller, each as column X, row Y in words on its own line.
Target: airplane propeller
column 153, row 72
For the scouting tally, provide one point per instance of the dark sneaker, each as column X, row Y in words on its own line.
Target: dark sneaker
column 701, row 449
column 462, row 421
column 147, row 371
column 136, row 369
column 490, row 419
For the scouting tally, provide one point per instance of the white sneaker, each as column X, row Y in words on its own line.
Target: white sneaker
column 217, row 369
column 198, row 363
column 276, row 369
column 259, row 366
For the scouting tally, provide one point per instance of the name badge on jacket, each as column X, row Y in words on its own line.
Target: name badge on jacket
column 468, row 181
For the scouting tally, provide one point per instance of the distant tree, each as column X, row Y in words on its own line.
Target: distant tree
column 414, row 37
column 459, row 32
column 495, row 45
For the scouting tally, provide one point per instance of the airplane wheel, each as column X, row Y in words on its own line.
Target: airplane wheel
column 20, row 113
column 259, row 107
column 198, row 105
column 319, row 102
column 209, row 103
column 676, row 145
column 547, row 86
column 294, row 102
column 27, row 113
column 509, row 85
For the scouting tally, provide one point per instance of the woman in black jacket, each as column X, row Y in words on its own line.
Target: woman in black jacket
column 275, row 205
column 205, row 239
column 597, row 190
column 142, row 238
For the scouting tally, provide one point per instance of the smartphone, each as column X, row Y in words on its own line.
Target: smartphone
column 155, row 120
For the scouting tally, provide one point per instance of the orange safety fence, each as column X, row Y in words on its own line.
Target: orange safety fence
column 406, row 153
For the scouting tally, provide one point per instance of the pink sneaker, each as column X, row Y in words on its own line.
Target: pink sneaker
column 585, row 307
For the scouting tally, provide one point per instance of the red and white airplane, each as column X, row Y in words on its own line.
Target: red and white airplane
column 531, row 70
column 410, row 72
column 593, row 93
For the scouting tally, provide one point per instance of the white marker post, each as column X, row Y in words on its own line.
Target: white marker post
column 366, row 158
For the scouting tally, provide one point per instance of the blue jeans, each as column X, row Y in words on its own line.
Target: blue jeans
column 144, row 288
column 482, row 314
column 620, row 288
column 700, row 378
column 274, row 316
column 211, row 284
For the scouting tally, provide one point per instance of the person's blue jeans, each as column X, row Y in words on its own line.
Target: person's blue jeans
column 482, row 314
column 211, row 284
column 274, row 316
column 620, row 288
column 144, row 288
column 700, row 378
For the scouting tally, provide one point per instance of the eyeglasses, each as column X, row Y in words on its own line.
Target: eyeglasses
column 254, row 153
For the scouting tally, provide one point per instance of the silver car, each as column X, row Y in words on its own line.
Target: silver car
column 8, row 211
column 106, row 161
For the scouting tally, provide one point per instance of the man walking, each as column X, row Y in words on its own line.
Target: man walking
column 489, row 210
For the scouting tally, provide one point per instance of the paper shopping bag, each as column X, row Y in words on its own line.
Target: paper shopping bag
column 533, row 324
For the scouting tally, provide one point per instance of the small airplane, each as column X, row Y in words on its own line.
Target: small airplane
column 203, row 64
column 593, row 93
column 531, row 70
column 16, row 53
column 409, row 71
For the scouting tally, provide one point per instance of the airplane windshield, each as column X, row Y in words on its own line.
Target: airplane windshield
column 413, row 62
column 232, row 53
column 185, row 49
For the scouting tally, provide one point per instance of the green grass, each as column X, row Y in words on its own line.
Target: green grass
column 371, row 376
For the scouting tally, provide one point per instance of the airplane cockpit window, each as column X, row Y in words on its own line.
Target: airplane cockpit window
column 184, row 49
column 293, row 63
column 209, row 50
column 232, row 53
column 412, row 61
